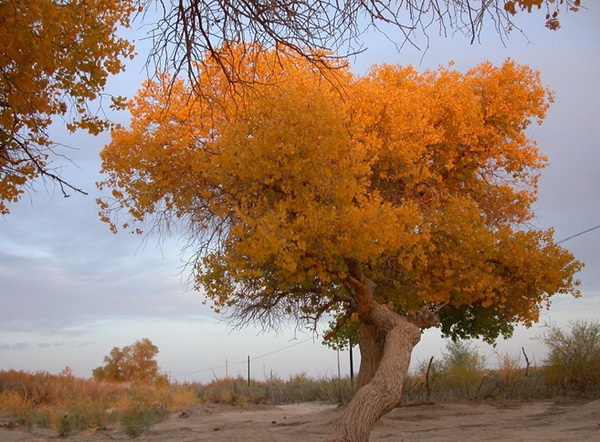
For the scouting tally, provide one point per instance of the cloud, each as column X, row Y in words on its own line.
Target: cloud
column 49, row 344
column 40, row 293
column 21, row 346
column 15, row 347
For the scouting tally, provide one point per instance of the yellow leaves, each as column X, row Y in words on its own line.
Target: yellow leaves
column 420, row 178
column 54, row 58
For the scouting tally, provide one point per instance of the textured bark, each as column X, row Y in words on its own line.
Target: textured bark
column 387, row 340
column 371, row 342
column 384, row 392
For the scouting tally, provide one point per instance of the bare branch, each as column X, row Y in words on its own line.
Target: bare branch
column 190, row 31
column 41, row 168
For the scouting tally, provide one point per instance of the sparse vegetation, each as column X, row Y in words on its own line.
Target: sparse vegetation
column 69, row 404
column 572, row 368
column 461, row 375
column 573, row 362
column 298, row 388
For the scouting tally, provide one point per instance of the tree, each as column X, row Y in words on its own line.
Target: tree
column 399, row 199
column 55, row 57
column 133, row 363
column 187, row 30
column 57, row 54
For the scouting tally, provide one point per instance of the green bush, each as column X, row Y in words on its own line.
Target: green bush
column 573, row 363
column 458, row 375
column 137, row 420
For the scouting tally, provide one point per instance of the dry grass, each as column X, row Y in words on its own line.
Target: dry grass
column 298, row 388
column 69, row 404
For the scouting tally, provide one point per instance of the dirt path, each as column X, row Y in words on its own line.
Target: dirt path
column 534, row 421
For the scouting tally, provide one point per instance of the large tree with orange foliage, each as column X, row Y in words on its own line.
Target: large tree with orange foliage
column 400, row 199
column 55, row 57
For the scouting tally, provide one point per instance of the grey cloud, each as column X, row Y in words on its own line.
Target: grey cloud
column 15, row 347
column 49, row 344
column 20, row 346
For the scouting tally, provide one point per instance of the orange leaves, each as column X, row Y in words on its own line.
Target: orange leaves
column 552, row 21
column 422, row 179
column 54, row 59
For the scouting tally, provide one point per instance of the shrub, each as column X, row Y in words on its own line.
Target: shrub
column 139, row 417
column 459, row 374
column 68, row 404
column 573, row 363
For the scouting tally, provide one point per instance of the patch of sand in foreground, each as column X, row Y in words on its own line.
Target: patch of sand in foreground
column 307, row 422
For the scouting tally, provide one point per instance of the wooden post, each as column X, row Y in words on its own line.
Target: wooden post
column 351, row 366
column 427, row 378
column 526, row 361
column 248, row 371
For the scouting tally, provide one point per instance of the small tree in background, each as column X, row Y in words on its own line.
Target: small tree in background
column 131, row 363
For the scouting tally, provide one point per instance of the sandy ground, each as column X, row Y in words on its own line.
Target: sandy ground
column 531, row 421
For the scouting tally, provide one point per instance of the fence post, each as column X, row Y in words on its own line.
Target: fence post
column 248, row 371
column 351, row 366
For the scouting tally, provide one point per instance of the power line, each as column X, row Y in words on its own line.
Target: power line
column 242, row 362
column 281, row 349
column 578, row 234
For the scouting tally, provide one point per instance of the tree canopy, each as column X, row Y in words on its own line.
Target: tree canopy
column 131, row 363
column 55, row 57
column 423, row 182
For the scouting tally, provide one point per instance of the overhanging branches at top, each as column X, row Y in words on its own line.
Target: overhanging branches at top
column 189, row 30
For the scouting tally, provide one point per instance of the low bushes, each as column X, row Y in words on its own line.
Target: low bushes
column 298, row 388
column 573, row 362
column 571, row 368
column 69, row 404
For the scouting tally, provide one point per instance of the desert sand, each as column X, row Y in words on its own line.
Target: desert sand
column 563, row 420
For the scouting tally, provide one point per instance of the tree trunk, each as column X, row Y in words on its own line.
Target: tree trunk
column 384, row 391
column 371, row 342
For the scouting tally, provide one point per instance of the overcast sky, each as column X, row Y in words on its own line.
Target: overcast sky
column 70, row 290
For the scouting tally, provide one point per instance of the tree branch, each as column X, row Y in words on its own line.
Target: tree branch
column 44, row 172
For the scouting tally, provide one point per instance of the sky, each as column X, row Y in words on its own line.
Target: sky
column 70, row 290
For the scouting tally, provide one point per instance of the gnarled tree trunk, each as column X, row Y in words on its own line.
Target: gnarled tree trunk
column 371, row 342
column 384, row 390
column 386, row 342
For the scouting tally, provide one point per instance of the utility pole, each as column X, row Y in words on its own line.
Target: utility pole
column 226, row 369
column 248, row 371
column 338, row 361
